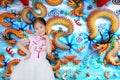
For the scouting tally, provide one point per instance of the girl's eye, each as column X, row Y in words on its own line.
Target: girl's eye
column 40, row 26
column 35, row 28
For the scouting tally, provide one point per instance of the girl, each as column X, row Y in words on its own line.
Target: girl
column 35, row 66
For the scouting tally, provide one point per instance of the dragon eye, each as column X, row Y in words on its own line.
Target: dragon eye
column 97, row 44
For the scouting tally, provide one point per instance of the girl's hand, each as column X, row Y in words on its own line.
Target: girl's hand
column 27, row 57
column 48, row 44
column 45, row 36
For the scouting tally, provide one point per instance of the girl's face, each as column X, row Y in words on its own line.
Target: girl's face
column 39, row 28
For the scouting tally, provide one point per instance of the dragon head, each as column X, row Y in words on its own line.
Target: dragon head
column 100, row 48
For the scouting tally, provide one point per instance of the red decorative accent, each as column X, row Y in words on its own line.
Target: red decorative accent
column 118, row 38
column 70, row 57
column 9, row 51
column 77, row 22
column 64, row 61
column 25, row 2
column 100, row 3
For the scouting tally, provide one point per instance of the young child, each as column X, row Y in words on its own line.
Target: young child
column 35, row 66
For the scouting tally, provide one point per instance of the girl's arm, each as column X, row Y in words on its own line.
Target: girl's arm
column 21, row 46
column 49, row 47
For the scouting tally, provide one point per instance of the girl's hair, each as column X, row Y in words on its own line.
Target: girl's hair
column 41, row 20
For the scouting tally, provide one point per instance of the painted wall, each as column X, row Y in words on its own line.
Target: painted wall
column 85, row 36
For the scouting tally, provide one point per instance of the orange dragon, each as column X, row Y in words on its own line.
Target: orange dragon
column 7, row 15
column 79, row 7
column 18, row 33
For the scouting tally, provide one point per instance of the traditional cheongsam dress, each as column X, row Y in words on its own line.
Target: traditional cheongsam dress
column 37, row 66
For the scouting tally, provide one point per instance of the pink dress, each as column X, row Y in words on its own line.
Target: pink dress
column 37, row 66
